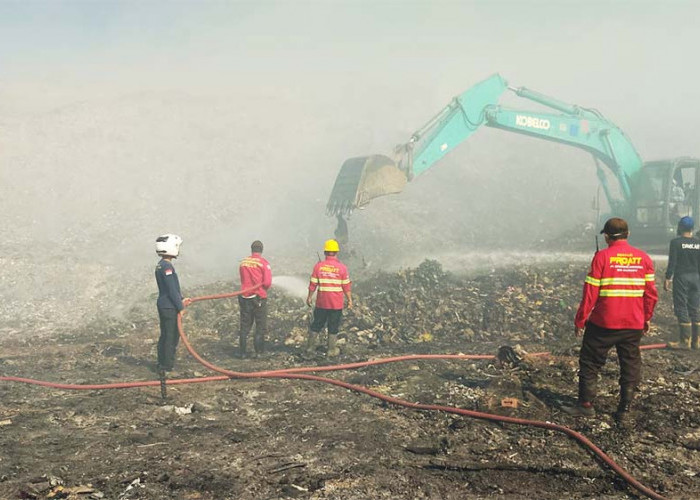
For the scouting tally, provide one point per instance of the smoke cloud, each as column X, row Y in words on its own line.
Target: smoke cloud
column 227, row 122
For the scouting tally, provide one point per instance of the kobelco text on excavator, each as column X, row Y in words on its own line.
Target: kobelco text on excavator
column 651, row 196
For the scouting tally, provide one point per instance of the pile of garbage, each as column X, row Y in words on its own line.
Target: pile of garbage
column 426, row 303
column 129, row 444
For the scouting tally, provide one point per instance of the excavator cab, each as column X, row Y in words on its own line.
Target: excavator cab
column 664, row 192
column 652, row 196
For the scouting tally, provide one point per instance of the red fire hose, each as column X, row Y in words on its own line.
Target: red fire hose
column 302, row 374
column 419, row 406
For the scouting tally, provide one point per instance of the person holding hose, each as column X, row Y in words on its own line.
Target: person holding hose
column 170, row 302
column 619, row 296
column 254, row 270
column 684, row 270
column 331, row 282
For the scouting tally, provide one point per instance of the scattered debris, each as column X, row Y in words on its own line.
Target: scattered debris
column 213, row 440
column 510, row 402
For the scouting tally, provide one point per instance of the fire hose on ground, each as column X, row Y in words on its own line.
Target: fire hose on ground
column 302, row 373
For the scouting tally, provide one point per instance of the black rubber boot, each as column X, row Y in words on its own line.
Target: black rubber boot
column 242, row 345
column 163, row 386
column 696, row 333
column 587, row 390
column 579, row 410
column 311, row 343
column 333, row 350
column 684, row 335
column 623, row 415
column 259, row 344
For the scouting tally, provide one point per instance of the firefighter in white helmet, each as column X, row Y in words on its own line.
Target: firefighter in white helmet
column 170, row 301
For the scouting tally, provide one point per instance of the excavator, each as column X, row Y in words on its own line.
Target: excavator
column 652, row 196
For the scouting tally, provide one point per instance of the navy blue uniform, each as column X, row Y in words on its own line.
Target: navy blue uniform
column 169, row 305
column 684, row 268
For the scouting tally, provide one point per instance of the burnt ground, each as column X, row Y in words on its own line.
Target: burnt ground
column 274, row 439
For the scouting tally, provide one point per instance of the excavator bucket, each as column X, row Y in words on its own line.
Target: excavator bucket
column 362, row 179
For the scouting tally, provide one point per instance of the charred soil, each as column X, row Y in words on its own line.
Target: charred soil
column 275, row 439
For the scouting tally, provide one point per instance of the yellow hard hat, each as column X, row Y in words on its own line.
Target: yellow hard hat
column 331, row 246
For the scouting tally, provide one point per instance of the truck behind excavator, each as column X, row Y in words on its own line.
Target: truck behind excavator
column 652, row 196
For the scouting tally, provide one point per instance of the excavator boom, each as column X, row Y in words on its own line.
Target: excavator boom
column 364, row 178
column 652, row 196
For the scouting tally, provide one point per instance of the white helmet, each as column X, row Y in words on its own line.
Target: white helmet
column 168, row 244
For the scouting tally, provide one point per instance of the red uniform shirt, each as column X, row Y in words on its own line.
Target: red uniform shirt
column 619, row 292
column 332, row 280
column 255, row 270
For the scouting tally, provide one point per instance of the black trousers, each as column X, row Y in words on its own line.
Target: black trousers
column 169, row 337
column 597, row 341
column 253, row 310
column 686, row 297
column 322, row 317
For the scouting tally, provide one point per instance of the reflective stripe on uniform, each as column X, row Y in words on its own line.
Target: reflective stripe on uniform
column 592, row 281
column 330, row 288
column 648, row 277
column 621, row 293
column 329, row 281
column 622, row 281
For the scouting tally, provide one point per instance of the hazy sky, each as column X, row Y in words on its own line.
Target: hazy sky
column 631, row 59
column 227, row 122
column 228, row 92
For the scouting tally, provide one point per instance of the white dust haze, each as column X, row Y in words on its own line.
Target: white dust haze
column 226, row 122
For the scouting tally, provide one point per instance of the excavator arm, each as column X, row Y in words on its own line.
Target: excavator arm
column 362, row 179
column 594, row 134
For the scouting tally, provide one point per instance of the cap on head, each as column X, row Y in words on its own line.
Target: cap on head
column 256, row 246
column 168, row 245
column 331, row 246
column 686, row 224
column 616, row 228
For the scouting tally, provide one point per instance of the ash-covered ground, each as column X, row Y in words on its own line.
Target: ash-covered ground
column 277, row 439
column 90, row 186
column 227, row 122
